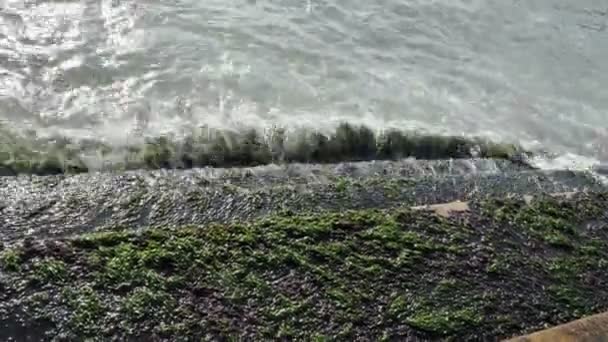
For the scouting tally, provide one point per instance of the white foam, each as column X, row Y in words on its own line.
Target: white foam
column 573, row 162
column 566, row 161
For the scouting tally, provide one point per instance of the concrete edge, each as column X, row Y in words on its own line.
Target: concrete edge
column 592, row 328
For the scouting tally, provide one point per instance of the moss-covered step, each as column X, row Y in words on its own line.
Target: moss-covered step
column 498, row 267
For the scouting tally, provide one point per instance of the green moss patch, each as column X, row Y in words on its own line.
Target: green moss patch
column 489, row 273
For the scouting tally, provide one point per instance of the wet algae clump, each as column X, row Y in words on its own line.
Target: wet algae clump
column 224, row 148
column 502, row 268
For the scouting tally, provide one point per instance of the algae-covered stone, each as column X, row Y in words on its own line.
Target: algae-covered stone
column 482, row 274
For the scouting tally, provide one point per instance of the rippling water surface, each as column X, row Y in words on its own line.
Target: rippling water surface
column 533, row 72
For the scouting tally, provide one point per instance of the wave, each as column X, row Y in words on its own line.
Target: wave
column 209, row 147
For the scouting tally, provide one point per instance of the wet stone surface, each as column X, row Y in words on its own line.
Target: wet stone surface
column 63, row 205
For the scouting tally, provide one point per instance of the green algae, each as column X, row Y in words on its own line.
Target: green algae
column 86, row 309
column 224, row 148
column 146, row 303
column 368, row 274
column 10, row 260
column 443, row 320
column 49, row 270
